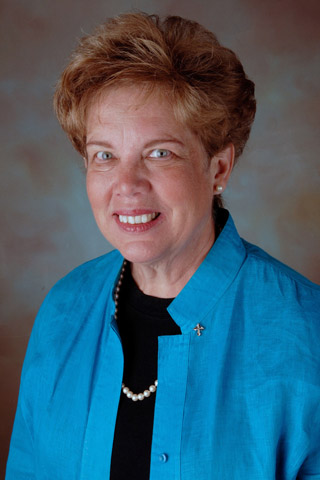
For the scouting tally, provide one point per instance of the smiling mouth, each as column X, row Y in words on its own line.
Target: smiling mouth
column 138, row 219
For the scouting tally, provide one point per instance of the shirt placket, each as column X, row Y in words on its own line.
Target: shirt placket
column 173, row 353
column 102, row 414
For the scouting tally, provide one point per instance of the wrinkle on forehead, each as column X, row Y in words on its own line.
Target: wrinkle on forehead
column 141, row 94
column 129, row 104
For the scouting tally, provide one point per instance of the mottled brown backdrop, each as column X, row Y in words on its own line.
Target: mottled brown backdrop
column 46, row 223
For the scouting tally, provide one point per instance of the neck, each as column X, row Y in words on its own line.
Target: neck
column 166, row 279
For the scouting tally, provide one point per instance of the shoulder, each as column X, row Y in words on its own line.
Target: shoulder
column 282, row 315
column 72, row 298
column 75, row 308
column 283, row 305
column 96, row 270
column 264, row 264
column 88, row 276
column 259, row 276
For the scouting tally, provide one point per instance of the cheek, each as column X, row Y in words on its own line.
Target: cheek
column 97, row 201
column 190, row 185
column 96, row 189
column 178, row 184
column 90, row 191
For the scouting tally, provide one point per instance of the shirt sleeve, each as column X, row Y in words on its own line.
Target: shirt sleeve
column 20, row 465
column 310, row 469
column 21, row 459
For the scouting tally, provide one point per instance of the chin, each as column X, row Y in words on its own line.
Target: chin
column 141, row 253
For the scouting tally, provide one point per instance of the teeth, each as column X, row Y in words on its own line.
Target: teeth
column 146, row 217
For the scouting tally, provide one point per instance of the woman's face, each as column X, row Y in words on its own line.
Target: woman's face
column 149, row 180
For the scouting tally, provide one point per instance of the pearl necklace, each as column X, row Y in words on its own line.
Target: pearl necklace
column 126, row 390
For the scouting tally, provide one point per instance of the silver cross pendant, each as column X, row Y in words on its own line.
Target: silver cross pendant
column 198, row 329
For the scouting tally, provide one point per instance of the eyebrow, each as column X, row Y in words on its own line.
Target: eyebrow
column 147, row 145
column 98, row 144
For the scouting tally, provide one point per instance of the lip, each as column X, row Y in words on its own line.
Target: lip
column 134, row 211
column 138, row 228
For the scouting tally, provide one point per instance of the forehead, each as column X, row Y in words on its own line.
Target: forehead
column 129, row 101
column 134, row 109
column 134, row 116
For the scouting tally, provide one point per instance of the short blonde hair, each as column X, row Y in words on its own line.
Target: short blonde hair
column 207, row 85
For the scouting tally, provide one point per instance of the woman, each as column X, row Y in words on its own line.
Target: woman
column 186, row 352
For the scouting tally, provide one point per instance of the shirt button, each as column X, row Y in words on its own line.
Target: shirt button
column 163, row 458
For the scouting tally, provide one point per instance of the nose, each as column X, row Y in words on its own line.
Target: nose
column 132, row 180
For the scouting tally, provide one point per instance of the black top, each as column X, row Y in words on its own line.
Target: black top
column 141, row 319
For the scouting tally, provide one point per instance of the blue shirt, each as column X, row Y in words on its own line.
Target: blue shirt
column 240, row 401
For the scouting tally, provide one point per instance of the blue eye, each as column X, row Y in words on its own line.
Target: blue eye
column 104, row 156
column 160, row 153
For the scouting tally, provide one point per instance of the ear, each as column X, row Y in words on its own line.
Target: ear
column 221, row 167
column 85, row 162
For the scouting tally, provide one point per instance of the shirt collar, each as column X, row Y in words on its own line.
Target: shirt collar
column 211, row 280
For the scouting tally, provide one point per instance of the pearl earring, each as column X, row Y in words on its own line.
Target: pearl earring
column 219, row 188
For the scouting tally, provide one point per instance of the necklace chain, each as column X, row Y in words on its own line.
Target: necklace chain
column 126, row 390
